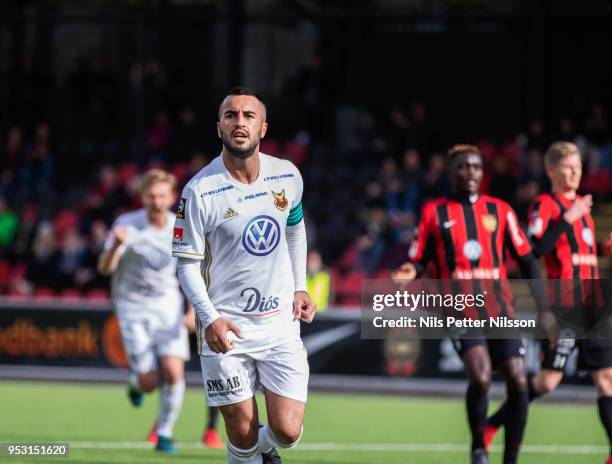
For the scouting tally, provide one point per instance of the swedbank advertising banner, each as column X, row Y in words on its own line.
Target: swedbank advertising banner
column 60, row 335
column 476, row 308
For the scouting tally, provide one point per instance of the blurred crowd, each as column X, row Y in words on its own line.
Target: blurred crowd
column 364, row 185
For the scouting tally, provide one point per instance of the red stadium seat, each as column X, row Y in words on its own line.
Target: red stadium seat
column 98, row 294
column 348, row 288
column 70, row 294
column 43, row 294
column 5, row 273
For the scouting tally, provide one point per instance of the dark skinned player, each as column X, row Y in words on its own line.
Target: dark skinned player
column 464, row 237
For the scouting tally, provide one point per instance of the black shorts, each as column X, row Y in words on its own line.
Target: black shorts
column 594, row 354
column 500, row 349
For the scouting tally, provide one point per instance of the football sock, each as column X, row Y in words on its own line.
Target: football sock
column 476, row 401
column 133, row 381
column 498, row 419
column 241, row 456
column 171, row 399
column 604, row 404
column 267, row 440
column 213, row 416
column 516, row 419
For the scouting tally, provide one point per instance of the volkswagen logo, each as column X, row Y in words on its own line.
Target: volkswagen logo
column 261, row 235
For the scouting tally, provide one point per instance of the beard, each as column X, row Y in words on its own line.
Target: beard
column 241, row 152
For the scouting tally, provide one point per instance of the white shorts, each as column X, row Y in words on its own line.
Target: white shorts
column 145, row 340
column 231, row 378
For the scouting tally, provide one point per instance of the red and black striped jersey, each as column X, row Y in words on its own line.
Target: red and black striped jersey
column 467, row 239
column 574, row 252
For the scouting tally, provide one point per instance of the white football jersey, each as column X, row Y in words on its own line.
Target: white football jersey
column 145, row 280
column 238, row 231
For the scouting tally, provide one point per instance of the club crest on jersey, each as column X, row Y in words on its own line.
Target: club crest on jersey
column 180, row 211
column 472, row 250
column 489, row 222
column 587, row 236
column 280, row 201
column 178, row 233
column 261, row 235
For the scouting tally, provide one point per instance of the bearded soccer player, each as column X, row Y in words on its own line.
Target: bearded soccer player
column 563, row 232
column 464, row 237
column 148, row 301
column 241, row 242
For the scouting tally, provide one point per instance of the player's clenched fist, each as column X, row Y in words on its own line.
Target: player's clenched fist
column 581, row 207
column 216, row 335
column 120, row 233
column 405, row 272
column 303, row 307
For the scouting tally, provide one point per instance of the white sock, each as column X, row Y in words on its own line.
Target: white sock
column 241, row 456
column 133, row 381
column 171, row 399
column 266, row 440
column 263, row 442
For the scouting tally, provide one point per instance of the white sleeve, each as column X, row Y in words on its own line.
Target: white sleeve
column 296, row 236
column 189, row 235
column 296, row 242
column 192, row 283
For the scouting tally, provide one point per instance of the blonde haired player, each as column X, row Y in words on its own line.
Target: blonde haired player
column 148, row 301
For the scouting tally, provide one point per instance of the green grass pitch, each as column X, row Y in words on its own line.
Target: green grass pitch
column 357, row 429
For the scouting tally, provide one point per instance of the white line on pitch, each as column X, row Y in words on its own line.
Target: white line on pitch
column 383, row 447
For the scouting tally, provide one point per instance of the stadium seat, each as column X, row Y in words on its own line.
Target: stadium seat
column 70, row 294
column 348, row 288
column 5, row 273
column 43, row 294
column 98, row 295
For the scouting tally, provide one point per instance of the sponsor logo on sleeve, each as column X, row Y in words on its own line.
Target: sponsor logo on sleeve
column 515, row 231
column 178, row 233
column 180, row 211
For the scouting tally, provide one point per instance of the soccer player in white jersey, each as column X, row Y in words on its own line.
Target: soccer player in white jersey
column 241, row 243
column 148, row 301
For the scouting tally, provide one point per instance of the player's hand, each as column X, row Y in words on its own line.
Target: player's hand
column 189, row 319
column 606, row 246
column 406, row 271
column 120, row 233
column 303, row 307
column 581, row 207
column 216, row 335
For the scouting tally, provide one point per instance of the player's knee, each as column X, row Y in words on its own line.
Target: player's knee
column 148, row 381
column 517, row 381
column 288, row 436
column 603, row 380
column 481, row 379
column 547, row 385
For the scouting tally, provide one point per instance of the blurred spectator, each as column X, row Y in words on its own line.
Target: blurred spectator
column 318, row 280
column 503, row 183
column 435, row 181
column 187, row 136
column 42, row 261
column 158, row 136
column 70, row 261
column 8, row 227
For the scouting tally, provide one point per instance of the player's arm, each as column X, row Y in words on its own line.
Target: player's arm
column 303, row 306
column 421, row 250
column 516, row 241
column 108, row 261
column 545, row 233
column 188, row 245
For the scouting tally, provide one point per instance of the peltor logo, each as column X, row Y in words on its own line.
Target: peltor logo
column 280, row 201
